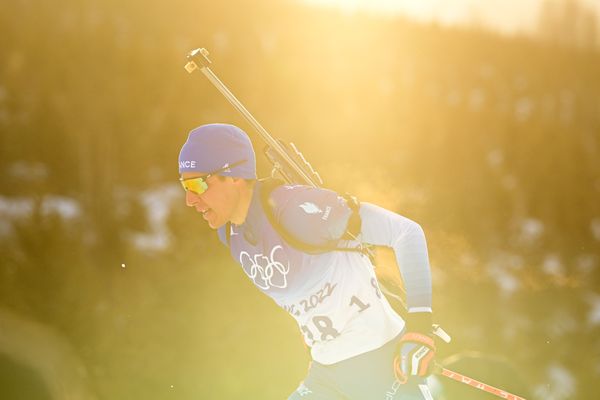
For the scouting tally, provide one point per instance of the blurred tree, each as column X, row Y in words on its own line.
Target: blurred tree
column 568, row 22
column 490, row 142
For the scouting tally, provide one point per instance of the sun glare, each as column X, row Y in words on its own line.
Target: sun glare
column 503, row 15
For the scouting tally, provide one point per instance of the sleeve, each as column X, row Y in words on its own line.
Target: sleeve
column 385, row 228
column 315, row 216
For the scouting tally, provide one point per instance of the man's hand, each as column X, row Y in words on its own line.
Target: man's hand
column 415, row 357
column 416, row 349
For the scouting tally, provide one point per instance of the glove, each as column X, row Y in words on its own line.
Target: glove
column 416, row 350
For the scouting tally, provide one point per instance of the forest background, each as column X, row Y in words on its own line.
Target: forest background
column 110, row 288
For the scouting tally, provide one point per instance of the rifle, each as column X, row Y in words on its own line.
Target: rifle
column 288, row 163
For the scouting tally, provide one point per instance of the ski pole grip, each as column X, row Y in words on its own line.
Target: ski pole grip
column 439, row 332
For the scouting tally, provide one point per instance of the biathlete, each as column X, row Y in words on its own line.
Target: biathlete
column 303, row 247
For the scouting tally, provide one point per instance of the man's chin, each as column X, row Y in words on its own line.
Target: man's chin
column 215, row 225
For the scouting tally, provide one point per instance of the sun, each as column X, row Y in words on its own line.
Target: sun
column 413, row 7
column 503, row 15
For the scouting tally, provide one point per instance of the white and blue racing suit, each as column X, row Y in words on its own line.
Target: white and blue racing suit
column 334, row 296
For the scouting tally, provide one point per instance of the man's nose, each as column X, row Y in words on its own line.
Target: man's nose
column 191, row 198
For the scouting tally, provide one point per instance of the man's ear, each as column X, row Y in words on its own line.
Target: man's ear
column 243, row 181
column 237, row 181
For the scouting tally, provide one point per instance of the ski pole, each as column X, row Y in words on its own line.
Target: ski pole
column 479, row 385
column 439, row 332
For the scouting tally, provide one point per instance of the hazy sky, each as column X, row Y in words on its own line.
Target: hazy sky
column 505, row 15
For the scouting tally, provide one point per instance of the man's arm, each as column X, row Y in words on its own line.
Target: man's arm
column 319, row 217
column 385, row 228
column 416, row 349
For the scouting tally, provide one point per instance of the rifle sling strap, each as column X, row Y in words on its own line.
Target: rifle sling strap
column 353, row 229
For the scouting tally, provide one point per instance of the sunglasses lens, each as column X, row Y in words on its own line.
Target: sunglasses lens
column 196, row 185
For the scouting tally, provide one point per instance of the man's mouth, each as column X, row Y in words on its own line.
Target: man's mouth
column 204, row 212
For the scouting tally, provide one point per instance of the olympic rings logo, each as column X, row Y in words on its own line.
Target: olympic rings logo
column 266, row 272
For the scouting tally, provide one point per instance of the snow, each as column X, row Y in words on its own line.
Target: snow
column 29, row 171
column 17, row 208
column 552, row 265
column 21, row 207
column 523, row 109
column 594, row 313
column 560, row 384
column 476, row 99
column 495, row 158
column 158, row 202
column 65, row 207
column 500, row 269
column 531, row 229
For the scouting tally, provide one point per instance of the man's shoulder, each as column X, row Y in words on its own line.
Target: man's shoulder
column 313, row 215
column 302, row 199
column 288, row 191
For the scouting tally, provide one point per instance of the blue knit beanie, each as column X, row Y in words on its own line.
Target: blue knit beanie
column 211, row 147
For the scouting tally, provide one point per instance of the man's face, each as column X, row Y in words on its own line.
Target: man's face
column 218, row 203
